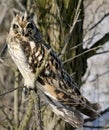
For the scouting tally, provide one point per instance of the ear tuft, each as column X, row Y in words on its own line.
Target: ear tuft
column 25, row 14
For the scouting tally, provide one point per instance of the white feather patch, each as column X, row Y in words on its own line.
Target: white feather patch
column 20, row 60
column 37, row 53
column 40, row 58
column 30, row 59
column 32, row 45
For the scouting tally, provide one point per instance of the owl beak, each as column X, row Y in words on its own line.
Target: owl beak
column 23, row 33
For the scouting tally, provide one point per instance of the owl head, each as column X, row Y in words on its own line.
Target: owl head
column 23, row 24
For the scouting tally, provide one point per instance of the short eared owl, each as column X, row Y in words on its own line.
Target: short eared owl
column 27, row 49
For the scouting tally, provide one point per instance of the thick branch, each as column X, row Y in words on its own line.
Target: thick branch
column 27, row 117
column 101, row 114
column 36, row 99
column 16, row 119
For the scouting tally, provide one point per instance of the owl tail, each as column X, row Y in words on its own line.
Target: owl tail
column 73, row 117
column 90, row 109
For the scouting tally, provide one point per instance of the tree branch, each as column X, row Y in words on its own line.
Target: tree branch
column 101, row 114
column 87, row 51
column 101, row 41
column 99, row 21
column 69, row 35
column 28, row 115
column 9, row 91
column 8, row 120
column 16, row 99
column 97, row 127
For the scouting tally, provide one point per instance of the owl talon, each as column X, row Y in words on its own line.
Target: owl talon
column 31, row 89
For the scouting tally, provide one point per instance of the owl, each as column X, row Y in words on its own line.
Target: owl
column 28, row 49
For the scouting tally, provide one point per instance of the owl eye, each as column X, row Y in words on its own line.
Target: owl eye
column 30, row 26
column 15, row 26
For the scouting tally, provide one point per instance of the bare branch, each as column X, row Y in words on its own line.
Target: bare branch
column 101, row 41
column 7, row 119
column 99, row 21
column 68, row 37
column 97, row 127
column 92, row 49
column 101, row 114
column 9, row 91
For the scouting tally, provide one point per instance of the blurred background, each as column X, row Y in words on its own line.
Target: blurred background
column 78, row 30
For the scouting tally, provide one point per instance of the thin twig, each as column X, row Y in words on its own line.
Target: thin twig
column 72, row 27
column 95, row 127
column 81, row 54
column 74, row 47
column 9, row 91
column 8, row 120
column 76, row 16
column 99, row 21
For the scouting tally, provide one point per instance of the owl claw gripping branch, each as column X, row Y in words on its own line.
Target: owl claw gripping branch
column 27, row 49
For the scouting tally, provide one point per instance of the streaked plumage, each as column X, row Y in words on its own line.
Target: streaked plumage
column 27, row 49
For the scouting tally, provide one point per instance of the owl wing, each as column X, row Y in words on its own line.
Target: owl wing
column 73, row 117
column 57, row 85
